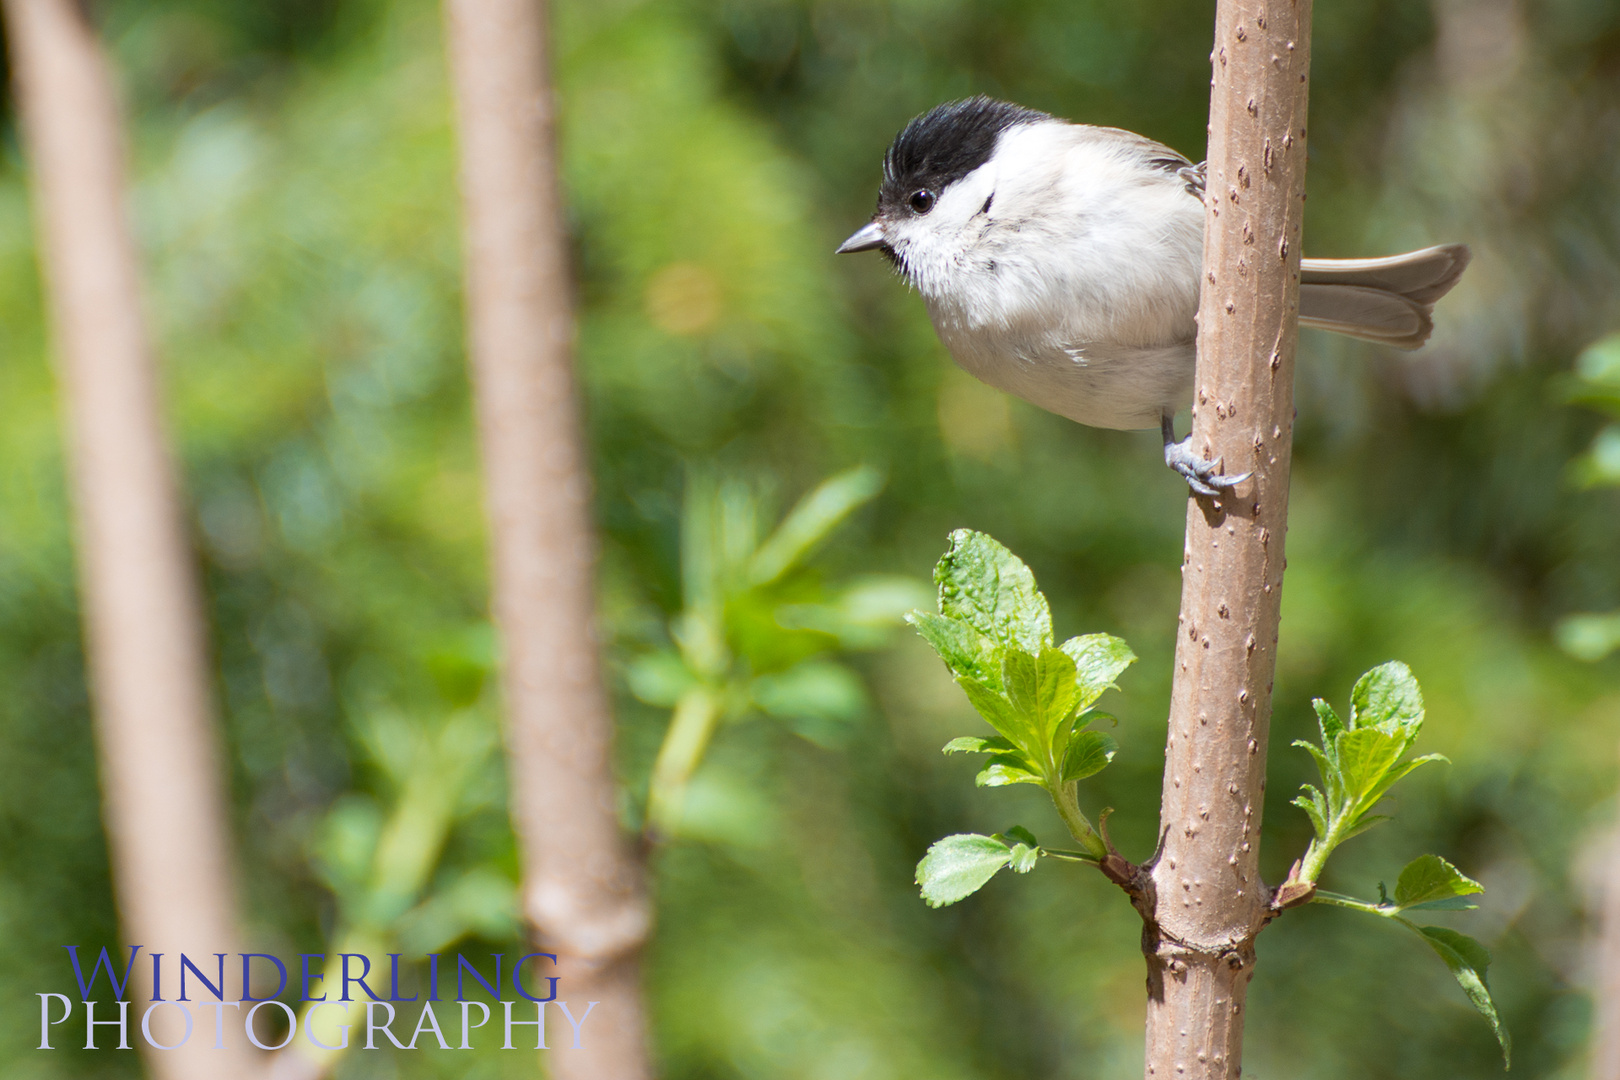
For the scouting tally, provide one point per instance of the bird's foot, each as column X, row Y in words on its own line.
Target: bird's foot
column 1202, row 476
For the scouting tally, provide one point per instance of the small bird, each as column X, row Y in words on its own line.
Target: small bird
column 1060, row 263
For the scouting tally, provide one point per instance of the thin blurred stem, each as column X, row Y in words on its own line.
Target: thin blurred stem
column 1321, row 896
column 1605, row 1062
column 582, row 885
column 322, row 1040
column 407, row 851
column 164, row 802
column 411, row 842
column 690, row 729
column 1070, row 856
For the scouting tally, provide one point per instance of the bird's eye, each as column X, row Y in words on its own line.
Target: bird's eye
column 922, row 201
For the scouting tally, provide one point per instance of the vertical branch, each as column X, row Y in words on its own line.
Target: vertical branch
column 1207, row 899
column 582, row 889
column 164, row 808
column 1605, row 1060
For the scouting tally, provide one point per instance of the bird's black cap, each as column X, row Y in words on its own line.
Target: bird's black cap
column 944, row 144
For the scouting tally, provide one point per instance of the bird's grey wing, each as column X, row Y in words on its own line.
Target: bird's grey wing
column 1156, row 155
column 1386, row 300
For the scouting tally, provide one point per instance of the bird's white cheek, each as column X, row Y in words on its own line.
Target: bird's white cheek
column 931, row 256
column 914, row 249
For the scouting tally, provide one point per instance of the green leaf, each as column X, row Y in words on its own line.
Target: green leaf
column 1329, row 770
column 1326, row 766
column 1468, row 960
column 958, row 866
column 1088, row 754
column 990, row 588
column 808, row 523
column 964, row 650
column 881, row 600
column 1098, row 661
column 1007, row 769
column 1328, row 721
column 1471, row 952
column 1042, row 686
column 999, row 713
column 1388, row 698
column 1315, row 808
column 973, row 744
column 820, row 689
column 660, row 678
column 1395, row 773
column 1041, row 690
column 1025, row 851
column 1361, row 825
column 1021, row 679
column 1091, row 716
column 1023, row 858
column 862, row 615
column 1365, row 755
column 1450, row 903
column 1430, row 878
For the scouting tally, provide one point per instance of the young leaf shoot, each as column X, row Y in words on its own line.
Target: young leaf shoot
column 994, row 633
column 1360, row 760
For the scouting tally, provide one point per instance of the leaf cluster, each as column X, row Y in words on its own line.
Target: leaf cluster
column 756, row 626
column 384, row 866
column 759, row 631
column 993, row 630
column 1360, row 759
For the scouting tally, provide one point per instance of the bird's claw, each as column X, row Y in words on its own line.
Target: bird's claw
column 1204, row 477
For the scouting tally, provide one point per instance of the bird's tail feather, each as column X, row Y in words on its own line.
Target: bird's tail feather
column 1387, row 300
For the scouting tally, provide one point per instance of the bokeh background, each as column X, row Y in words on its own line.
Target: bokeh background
column 295, row 198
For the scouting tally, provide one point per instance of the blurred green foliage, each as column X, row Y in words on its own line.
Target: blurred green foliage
column 757, row 634
column 296, row 203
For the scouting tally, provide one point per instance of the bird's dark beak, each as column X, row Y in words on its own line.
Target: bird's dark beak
column 869, row 236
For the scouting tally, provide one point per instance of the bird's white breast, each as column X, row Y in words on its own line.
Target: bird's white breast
column 1077, row 290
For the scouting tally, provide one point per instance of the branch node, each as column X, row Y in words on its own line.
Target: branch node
column 1292, row 892
column 1115, row 867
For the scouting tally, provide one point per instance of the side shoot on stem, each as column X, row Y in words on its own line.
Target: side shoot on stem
column 994, row 632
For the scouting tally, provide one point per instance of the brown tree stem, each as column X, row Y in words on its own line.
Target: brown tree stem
column 582, row 888
column 162, row 797
column 1204, row 890
column 1605, row 1060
